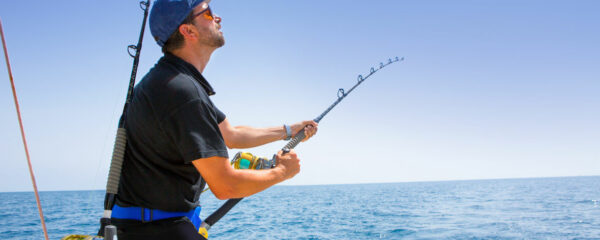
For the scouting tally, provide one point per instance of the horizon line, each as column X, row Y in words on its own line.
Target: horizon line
column 359, row 183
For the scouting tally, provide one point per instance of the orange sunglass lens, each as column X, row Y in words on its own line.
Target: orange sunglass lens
column 208, row 14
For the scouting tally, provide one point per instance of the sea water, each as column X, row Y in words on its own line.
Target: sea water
column 540, row 208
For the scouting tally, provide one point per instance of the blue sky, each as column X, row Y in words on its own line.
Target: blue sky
column 489, row 89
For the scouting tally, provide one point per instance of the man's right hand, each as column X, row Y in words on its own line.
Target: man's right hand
column 288, row 163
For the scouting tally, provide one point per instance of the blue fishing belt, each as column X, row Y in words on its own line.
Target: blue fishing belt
column 149, row 215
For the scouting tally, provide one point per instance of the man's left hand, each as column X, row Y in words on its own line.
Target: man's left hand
column 310, row 128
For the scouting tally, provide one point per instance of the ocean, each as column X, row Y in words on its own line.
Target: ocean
column 536, row 208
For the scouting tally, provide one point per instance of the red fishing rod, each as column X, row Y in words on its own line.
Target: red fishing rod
column 14, row 91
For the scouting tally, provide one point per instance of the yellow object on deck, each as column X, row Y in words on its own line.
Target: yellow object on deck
column 78, row 237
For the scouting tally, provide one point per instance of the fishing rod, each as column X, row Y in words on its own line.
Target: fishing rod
column 114, row 175
column 14, row 91
column 243, row 160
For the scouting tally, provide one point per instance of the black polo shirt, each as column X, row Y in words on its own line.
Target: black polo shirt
column 170, row 122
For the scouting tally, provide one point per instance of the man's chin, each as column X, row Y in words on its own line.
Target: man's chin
column 220, row 42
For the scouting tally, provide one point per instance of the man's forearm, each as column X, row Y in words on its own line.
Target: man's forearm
column 248, row 137
column 249, row 182
column 227, row 182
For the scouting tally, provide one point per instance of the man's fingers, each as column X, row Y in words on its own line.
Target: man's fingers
column 311, row 130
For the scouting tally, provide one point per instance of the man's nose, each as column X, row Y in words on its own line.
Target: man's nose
column 218, row 19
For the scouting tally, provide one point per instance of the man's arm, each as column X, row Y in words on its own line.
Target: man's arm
column 248, row 137
column 226, row 182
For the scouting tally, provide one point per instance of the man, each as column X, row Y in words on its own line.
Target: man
column 178, row 139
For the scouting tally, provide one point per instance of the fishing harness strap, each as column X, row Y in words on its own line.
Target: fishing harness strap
column 148, row 215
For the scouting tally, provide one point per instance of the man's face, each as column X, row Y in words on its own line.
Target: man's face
column 208, row 26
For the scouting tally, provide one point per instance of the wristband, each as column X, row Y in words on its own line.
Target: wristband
column 288, row 132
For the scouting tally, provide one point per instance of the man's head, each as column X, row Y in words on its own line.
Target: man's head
column 174, row 21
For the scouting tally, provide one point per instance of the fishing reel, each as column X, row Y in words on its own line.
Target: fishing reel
column 245, row 160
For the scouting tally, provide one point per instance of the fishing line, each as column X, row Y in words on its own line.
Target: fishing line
column 106, row 138
column 102, row 153
column 12, row 84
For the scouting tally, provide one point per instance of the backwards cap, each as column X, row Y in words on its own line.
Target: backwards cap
column 167, row 15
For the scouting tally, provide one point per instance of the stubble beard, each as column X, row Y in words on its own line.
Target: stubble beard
column 211, row 36
column 218, row 40
column 215, row 39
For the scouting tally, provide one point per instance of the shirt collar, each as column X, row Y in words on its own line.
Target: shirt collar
column 188, row 68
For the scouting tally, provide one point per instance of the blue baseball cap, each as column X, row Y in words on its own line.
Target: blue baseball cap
column 167, row 15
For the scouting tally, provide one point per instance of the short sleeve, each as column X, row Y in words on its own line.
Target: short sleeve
column 220, row 116
column 194, row 129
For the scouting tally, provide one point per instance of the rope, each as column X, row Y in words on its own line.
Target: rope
column 12, row 83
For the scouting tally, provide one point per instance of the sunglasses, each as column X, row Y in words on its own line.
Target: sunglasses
column 206, row 13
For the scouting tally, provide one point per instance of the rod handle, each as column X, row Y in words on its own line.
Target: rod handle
column 295, row 141
column 217, row 215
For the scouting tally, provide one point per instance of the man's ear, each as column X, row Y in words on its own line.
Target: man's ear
column 186, row 31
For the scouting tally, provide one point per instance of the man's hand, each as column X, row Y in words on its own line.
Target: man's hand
column 289, row 163
column 310, row 128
